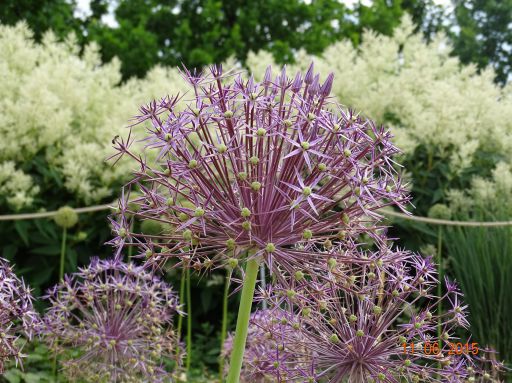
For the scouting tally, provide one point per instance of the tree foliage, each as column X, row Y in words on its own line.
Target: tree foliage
column 484, row 34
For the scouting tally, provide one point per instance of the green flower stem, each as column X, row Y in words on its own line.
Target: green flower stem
column 63, row 253
column 439, row 288
column 440, row 277
column 263, row 282
column 242, row 323
column 189, row 323
column 224, row 328
column 182, row 302
column 61, row 276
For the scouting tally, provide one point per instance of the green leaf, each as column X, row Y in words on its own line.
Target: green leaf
column 47, row 250
column 22, row 229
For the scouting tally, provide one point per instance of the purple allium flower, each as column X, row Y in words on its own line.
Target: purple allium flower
column 17, row 316
column 266, row 356
column 245, row 167
column 118, row 318
column 367, row 335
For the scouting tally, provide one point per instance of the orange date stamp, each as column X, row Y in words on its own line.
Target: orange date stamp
column 433, row 348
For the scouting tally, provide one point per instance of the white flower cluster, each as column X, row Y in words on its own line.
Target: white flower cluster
column 423, row 94
column 61, row 109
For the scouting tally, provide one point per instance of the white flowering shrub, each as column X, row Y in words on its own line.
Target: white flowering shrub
column 59, row 111
column 451, row 122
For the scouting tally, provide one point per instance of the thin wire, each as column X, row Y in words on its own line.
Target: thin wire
column 390, row 213
column 436, row 221
column 46, row 214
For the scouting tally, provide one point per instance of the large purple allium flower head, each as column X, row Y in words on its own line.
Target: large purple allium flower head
column 17, row 316
column 271, row 169
column 386, row 330
column 118, row 318
column 266, row 357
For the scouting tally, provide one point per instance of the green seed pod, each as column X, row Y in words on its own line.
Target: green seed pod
column 334, row 339
column 307, row 234
column 245, row 212
column 256, row 186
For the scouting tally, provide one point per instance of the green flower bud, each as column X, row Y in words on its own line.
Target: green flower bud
column 222, row 148
column 228, row 114
column 360, row 333
column 246, row 225
column 299, row 275
column 352, row 318
column 305, row 145
column 287, row 123
column 261, row 132
column 322, row 167
column 254, row 160
column 347, row 153
column 66, row 217
column 232, row 263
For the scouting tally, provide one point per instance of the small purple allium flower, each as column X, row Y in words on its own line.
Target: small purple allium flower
column 266, row 356
column 256, row 168
column 118, row 318
column 368, row 334
column 17, row 316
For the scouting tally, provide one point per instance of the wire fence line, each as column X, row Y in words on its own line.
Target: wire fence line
column 386, row 212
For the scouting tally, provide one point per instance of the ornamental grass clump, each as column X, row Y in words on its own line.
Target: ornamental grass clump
column 116, row 319
column 17, row 316
column 387, row 332
column 257, row 172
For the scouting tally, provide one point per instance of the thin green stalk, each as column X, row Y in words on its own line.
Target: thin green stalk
column 224, row 328
column 440, row 284
column 189, row 323
column 182, row 302
column 242, row 323
column 61, row 276
column 439, row 288
column 263, row 282
column 63, row 253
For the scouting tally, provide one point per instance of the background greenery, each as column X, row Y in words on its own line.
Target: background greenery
column 403, row 63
